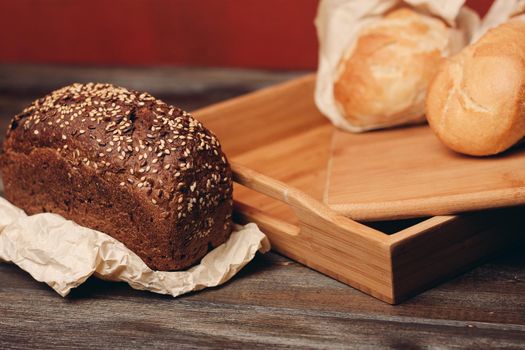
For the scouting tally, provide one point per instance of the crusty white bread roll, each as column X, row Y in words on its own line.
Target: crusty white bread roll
column 383, row 79
column 476, row 103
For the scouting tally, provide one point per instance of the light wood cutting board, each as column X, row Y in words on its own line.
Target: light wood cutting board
column 407, row 172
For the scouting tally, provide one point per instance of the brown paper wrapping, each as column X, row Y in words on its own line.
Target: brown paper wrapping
column 64, row 255
column 338, row 23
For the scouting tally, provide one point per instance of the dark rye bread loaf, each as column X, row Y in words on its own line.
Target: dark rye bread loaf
column 126, row 164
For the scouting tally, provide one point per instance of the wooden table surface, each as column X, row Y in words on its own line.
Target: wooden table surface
column 273, row 302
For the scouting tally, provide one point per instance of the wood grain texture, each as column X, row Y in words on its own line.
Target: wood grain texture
column 324, row 240
column 272, row 303
column 279, row 132
column 407, row 172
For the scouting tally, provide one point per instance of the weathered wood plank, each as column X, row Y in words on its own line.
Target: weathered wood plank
column 274, row 302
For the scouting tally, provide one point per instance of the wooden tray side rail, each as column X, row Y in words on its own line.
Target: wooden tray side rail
column 446, row 246
column 391, row 268
column 323, row 240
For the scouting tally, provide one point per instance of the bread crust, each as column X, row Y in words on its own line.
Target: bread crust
column 382, row 80
column 476, row 103
column 124, row 163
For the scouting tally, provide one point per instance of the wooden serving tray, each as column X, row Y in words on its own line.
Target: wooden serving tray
column 280, row 147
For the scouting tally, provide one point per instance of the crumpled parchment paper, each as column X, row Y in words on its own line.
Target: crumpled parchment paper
column 64, row 255
column 339, row 22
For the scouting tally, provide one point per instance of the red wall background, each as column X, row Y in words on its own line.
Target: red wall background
column 276, row 34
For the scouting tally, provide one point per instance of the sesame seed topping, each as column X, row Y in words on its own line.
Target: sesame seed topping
column 108, row 113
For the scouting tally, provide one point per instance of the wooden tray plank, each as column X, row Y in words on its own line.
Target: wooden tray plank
column 286, row 141
column 260, row 118
column 299, row 160
column 292, row 160
column 407, row 172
